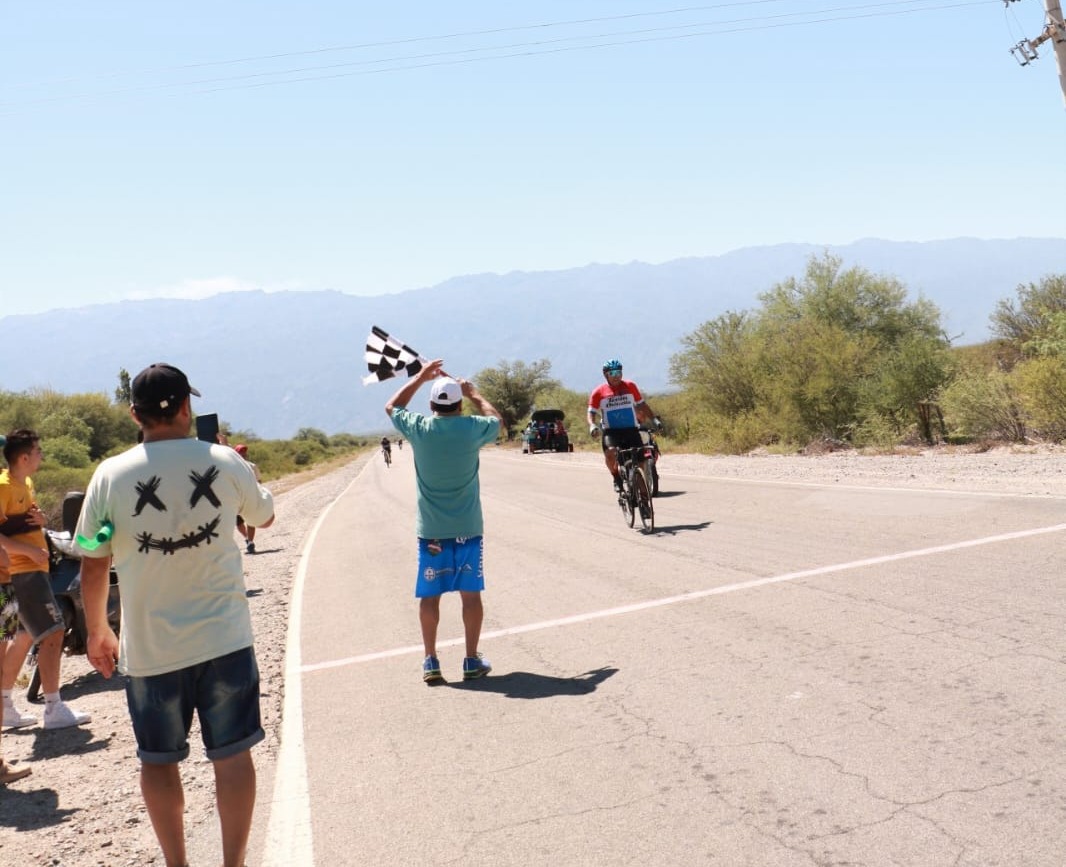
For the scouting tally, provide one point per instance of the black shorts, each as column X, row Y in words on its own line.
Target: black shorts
column 622, row 438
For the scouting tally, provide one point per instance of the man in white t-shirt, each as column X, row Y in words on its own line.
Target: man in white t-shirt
column 171, row 503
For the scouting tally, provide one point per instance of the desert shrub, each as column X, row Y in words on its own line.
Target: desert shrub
column 52, row 482
column 346, row 441
column 64, row 423
column 983, row 405
column 66, row 451
column 837, row 351
column 311, row 434
column 1041, row 385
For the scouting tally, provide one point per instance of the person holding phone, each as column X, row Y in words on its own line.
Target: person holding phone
column 187, row 641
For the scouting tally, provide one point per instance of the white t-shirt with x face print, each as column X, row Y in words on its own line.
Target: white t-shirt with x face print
column 173, row 505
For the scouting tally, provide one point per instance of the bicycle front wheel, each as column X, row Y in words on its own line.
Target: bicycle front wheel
column 626, row 498
column 642, row 500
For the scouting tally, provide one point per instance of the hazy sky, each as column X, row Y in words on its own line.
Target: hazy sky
column 183, row 149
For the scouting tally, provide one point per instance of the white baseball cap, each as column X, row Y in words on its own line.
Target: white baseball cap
column 446, row 392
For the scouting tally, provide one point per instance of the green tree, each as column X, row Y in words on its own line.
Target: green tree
column 827, row 354
column 718, row 364
column 314, row 435
column 836, row 337
column 124, row 392
column 899, row 394
column 1024, row 324
column 63, row 422
column 66, row 451
column 112, row 427
column 512, row 387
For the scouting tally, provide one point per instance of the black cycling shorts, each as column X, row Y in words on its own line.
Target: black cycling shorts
column 622, row 438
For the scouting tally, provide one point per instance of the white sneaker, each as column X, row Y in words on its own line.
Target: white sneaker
column 16, row 719
column 61, row 715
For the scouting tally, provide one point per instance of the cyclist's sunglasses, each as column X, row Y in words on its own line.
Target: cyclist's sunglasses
column 613, row 371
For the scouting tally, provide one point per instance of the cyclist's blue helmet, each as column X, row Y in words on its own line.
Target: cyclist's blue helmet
column 612, row 364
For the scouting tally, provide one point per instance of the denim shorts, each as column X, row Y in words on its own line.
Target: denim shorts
column 38, row 609
column 223, row 691
column 445, row 565
column 9, row 612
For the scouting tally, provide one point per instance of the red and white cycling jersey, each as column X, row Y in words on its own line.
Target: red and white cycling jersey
column 617, row 406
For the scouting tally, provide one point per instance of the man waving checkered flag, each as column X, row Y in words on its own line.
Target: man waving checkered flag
column 386, row 357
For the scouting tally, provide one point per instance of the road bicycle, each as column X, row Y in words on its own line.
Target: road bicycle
column 635, row 495
column 387, row 454
column 648, row 438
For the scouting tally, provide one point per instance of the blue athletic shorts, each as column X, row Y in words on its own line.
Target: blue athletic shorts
column 445, row 565
column 223, row 691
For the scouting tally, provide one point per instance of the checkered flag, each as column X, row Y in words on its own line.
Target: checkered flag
column 386, row 357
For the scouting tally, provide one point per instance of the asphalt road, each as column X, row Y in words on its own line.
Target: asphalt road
column 782, row 675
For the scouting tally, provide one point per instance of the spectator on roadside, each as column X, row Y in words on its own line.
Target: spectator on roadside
column 186, row 627
column 9, row 624
column 446, row 447
column 22, row 525
column 243, row 528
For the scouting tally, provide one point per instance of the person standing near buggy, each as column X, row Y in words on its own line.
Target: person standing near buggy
column 446, row 447
column 246, row 530
column 9, row 622
column 186, row 645
column 621, row 409
column 22, row 525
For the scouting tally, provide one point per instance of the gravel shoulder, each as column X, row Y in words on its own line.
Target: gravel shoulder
column 82, row 805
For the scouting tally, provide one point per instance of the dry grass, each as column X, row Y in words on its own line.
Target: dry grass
column 293, row 480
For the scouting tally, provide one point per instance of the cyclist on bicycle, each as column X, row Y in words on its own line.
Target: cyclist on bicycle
column 386, row 449
column 621, row 409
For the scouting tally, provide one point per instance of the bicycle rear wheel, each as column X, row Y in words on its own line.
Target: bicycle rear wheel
column 642, row 497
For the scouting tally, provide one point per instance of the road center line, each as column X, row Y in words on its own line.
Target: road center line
column 696, row 594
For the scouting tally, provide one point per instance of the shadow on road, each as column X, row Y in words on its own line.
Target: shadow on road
column 89, row 683
column 75, row 740
column 31, row 809
column 662, row 495
column 525, row 684
column 674, row 529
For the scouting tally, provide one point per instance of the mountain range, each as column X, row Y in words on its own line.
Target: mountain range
column 273, row 363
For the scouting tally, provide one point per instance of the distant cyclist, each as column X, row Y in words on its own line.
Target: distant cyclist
column 386, row 450
column 621, row 409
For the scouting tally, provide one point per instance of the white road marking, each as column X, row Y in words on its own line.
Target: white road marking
column 289, row 838
column 697, row 594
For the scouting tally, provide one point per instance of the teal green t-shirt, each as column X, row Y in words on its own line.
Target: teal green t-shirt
column 446, row 470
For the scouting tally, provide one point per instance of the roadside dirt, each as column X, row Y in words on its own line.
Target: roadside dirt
column 82, row 805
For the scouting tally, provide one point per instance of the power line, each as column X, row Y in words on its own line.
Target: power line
column 519, row 49
column 412, row 40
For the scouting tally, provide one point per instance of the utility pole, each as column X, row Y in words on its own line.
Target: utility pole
column 1025, row 52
